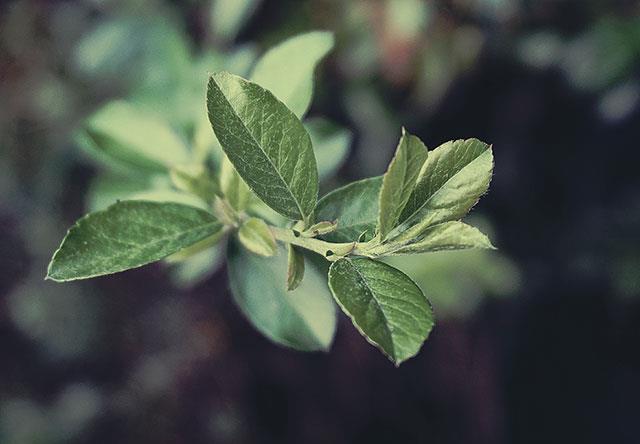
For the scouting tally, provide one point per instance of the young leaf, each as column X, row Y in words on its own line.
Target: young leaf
column 232, row 186
column 399, row 181
column 385, row 305
column 295, row 267
column 266, row 143
column 354, row 207
column 194, row 179
column 128, row 235
column 256, row 237
column 128, row 137
column 287, row 69
column 320, row 228
column 304, row 319
column 330, row 144
column 454, row 235
column 452, row 180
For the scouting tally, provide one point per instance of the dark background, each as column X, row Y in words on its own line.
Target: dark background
column 554, row 85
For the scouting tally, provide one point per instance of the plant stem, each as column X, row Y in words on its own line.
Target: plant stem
column 331, row 251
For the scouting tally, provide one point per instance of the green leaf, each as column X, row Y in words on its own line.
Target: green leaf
column 107, row 189
column 195, row 179
column 287, row 69
column 265, row 142
column 354, row 207
column 330, row 144
column 454, row 235
column 452, row 180
column 234, row 189
column 197, row 268
column 304, row 319
column 228, row 16
column 128, row 235
column 256, row 237
column 295, row 267
column 125, row 135
column 400, row 181
column 385, row 305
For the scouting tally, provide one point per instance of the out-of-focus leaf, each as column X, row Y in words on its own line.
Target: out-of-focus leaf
column 228, row 16
column 387, row 307
column 399, row 181
column 295, row 267
column 154, row 53
column 121, row 133
column 287, row 69
column 265, row 142
column 304, row 319
column 128, row 235
column 195, row 179
column 330, row 143
column 107, row 48
column 197, row 268
column 355, row 209
column 107, row 189
column 234, row 189
column 458, row 281
column 255, row 236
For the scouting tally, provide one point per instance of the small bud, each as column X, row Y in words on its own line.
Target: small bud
column 320, row 228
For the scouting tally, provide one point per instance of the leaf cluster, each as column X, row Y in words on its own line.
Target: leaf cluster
column 260, row 189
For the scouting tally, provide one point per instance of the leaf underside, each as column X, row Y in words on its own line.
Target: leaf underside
column 304, row 319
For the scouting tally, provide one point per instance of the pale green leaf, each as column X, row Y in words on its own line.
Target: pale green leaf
column 128, row 235
column 256, row 237
column 295, row 267
column 354, row 207
column 399, row 181
column 195, row 179
column 265, row 142
column 163, row 195
column 304, row 319
column 385, row 305
column 451, row 181
column 454, row 235
column 108, row 189
column 228, row 16
column 197, row 268
column 234, row 189
column 330, row 143
column 123, row 134
column 287, row 69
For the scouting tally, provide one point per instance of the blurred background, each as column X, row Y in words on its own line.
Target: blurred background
column 537, row 342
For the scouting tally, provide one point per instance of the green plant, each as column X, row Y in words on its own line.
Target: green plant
column 261, row 192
